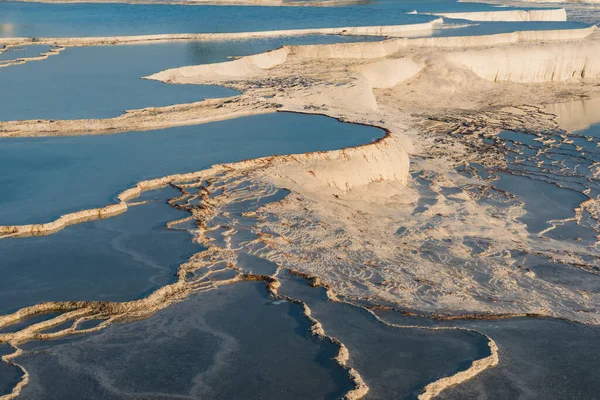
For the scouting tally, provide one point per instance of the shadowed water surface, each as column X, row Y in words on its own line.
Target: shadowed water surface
column 233, row 342
column 395, row 363
column 117, row 259
column 539, row 359
column 9, row 374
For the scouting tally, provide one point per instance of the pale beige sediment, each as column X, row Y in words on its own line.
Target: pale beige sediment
column 144, row 119
column 259, row 64
column 412, row 84
column 372, row 177
column 535, row 63
column 393, row 30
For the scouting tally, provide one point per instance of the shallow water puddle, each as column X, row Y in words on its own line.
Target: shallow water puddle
column 577, row 115
column 542, row 201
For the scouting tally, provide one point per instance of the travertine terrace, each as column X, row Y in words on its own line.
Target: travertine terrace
column 396, row 222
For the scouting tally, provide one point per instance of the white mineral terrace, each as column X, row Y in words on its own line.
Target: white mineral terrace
column 500, row 15
column 352, row 218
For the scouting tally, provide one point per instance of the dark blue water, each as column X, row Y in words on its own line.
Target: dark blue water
column 395, row 363
column 540, row 358
column 42, row 178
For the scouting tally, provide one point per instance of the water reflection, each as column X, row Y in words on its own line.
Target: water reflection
column 577, row 115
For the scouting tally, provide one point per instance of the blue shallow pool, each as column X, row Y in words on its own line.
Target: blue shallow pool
column 45, row 177
column 104, row 81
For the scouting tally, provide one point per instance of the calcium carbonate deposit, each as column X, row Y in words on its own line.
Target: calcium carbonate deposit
column 405, row 256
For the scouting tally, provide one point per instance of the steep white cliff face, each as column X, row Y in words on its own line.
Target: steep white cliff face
column 343, row 170
column 389, row 47
column 534, row 63
column 392, row 71
column 510, row 15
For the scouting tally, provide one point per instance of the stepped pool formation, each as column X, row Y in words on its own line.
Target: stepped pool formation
column 392, row 199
